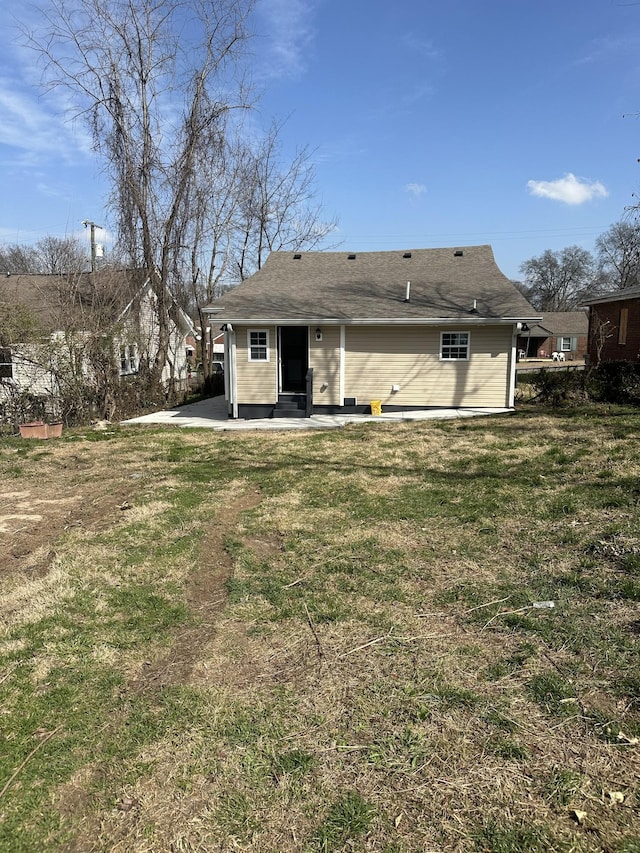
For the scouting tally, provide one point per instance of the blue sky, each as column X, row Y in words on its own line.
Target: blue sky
column 509, row 122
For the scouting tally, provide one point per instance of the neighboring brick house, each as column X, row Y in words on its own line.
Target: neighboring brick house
column 614, row 326
column 560, row 331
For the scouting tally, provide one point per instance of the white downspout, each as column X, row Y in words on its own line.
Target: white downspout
column 341, row 366
column 230, row 374
column 512, row 369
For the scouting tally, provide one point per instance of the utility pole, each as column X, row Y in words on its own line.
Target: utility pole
column 87, row 222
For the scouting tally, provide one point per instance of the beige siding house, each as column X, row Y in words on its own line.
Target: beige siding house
column 331, row 332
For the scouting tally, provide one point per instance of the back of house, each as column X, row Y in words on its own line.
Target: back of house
column 331, row 332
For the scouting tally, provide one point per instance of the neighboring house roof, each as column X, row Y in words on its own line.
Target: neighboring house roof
column 561, row 323
column 362, row 286
column 56, row 302
column 615, row 296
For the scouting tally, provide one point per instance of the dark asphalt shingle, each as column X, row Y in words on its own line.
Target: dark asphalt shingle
column 372, row 285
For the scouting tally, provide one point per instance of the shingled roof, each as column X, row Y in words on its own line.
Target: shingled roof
column 54, row 301
column 563, row 323
column 356, row 287
column 614, row 296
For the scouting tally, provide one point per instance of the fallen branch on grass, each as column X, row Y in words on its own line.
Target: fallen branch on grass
column 313, row 631
column 488, row 604
column 364, row 646
column 505, row 613
column 15, row 773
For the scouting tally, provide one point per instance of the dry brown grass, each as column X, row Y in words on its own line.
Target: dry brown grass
column 325, row 642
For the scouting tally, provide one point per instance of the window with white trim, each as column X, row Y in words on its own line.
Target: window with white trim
column 128, row 359
column 6, row 363
column 565, row 344
column 454, row 346
column 258, row 344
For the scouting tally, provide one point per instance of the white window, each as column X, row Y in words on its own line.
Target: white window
column 454, row 346
column 564, row 344
column 258, row 344
column 6, row 365
column 128, row 359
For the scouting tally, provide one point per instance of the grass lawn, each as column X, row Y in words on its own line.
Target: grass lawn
column 409, row 637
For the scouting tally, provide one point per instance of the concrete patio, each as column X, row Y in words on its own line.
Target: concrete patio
column 212, row 414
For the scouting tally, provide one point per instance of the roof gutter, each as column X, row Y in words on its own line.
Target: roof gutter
column 378, row 321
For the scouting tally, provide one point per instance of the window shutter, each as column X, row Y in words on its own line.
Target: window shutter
column 622, row 330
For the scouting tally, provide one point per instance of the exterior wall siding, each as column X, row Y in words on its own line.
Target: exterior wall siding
column 324, row 358
column 29, row 373
column 379, row 357
column 256, row 380
column 611, row 349
column 142, row 328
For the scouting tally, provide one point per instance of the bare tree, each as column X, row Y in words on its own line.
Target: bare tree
column 18, row 258
column 153, row 78
column 601, row 329
column 522, row 288
column 209, row 235
column 618, row 257
column 58, row 255
column 158, row 83
column 558, row 280
column 55, row 255
column 245, row 202
column 277, row 209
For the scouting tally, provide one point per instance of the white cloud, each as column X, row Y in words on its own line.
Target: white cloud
column 422, row 46
column 103, row 236
column 570, row 190
column 37, row 130
column 287, row 24
column 415, row 190
column 602, row 49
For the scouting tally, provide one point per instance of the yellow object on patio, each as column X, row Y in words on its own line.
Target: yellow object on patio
column 376, row 407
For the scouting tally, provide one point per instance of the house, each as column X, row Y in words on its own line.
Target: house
column 331, row 332
column 562, row 331
column 48, row 321
column 208, row 347
column 614, row 326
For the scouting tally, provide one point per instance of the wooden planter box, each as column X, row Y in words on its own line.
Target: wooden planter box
column 38, row 429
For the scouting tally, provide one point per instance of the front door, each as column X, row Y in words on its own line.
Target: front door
column 294, row 358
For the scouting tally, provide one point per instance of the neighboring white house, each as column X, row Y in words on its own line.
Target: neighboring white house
column 47, row 321
column 329, row 332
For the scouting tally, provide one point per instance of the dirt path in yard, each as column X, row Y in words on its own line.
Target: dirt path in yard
column 79, row 486
column 206, row 595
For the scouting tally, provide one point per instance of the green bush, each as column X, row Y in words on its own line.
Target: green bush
column 610, row 382
column 615, row 382
column 560, row 387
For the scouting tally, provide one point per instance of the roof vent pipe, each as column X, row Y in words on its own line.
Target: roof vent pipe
column 407, row 296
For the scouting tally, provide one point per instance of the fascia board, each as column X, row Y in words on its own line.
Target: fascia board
column 375, row 321
column 620, row 296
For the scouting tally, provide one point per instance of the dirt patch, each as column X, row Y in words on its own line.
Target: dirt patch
column 73, row 490
column 206, row 596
